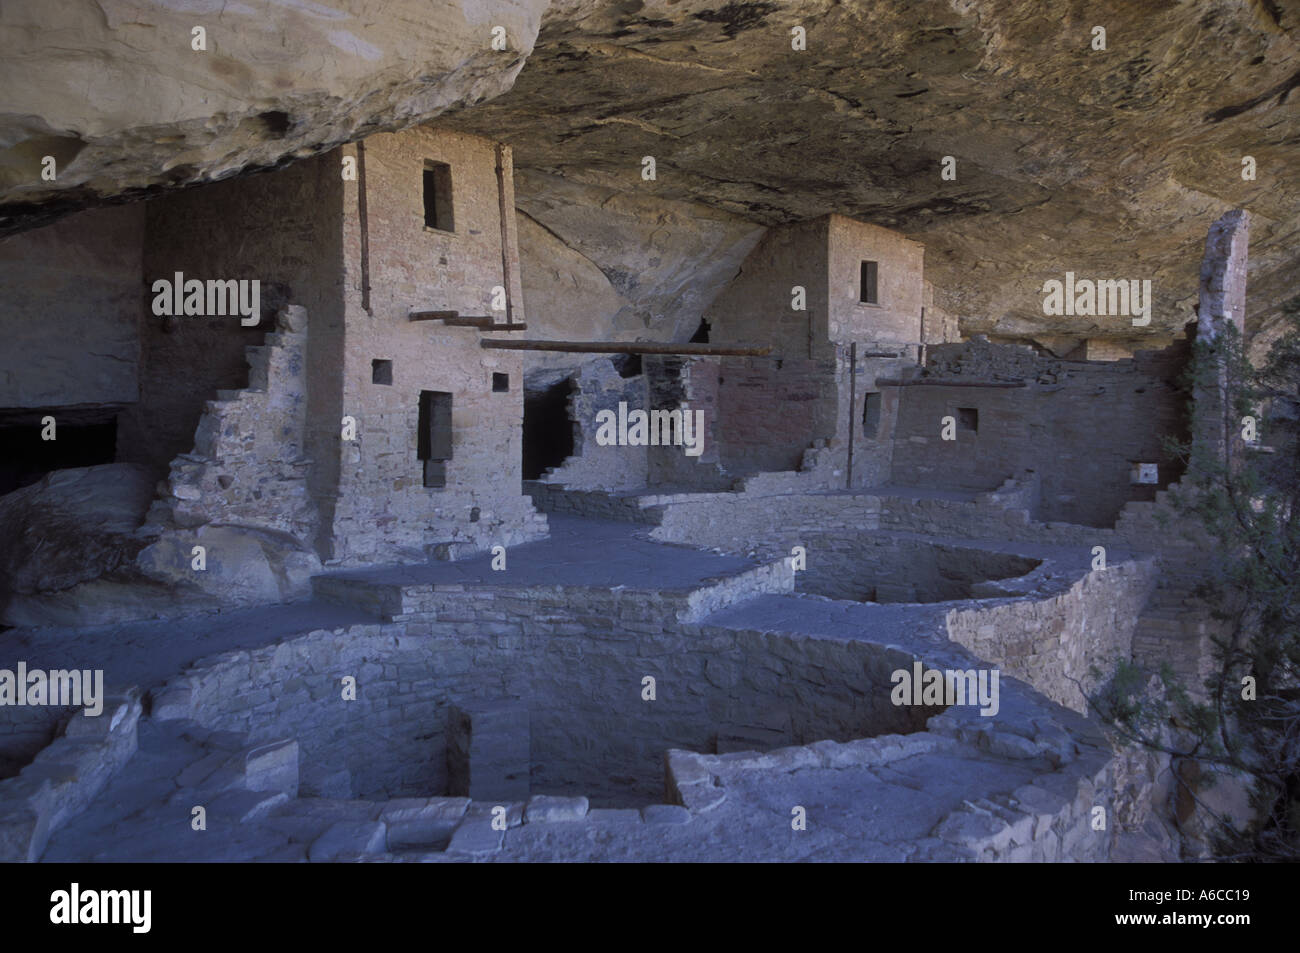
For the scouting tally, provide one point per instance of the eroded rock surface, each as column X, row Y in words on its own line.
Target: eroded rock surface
column 117, row 94
column 1108, row 163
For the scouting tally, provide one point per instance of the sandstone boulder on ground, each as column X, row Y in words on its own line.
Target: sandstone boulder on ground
column 72, row 526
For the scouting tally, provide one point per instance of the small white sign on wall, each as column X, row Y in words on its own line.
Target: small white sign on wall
column 1144, row 473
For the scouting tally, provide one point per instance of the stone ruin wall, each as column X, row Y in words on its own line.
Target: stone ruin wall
column 384, row 513
column 1080, row 426
column 599, row 386
column 279, row 228
column 592, row 734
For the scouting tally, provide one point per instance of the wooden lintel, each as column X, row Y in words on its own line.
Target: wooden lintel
column 454, row 319
column 628, row 347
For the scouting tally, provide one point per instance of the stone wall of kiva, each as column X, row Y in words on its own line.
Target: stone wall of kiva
column 888, row 567
column 579, row 666
column 1049, row 819
column 1053, row 643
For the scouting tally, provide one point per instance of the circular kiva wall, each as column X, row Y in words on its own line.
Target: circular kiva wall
column 564, row 708
column 880, row 567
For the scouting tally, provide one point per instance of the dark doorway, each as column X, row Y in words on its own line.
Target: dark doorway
column 81, row 439
column 548, row 432
column 434, row 436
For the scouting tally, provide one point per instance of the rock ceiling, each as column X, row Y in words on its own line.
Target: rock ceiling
column 1106, row 163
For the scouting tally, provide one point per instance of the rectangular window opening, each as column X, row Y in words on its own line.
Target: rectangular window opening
column 438, row 212
column 968, row 418
column 381, row 372
column 500, row 383
column 867, row 284
column 871, row 416
column 433, row 438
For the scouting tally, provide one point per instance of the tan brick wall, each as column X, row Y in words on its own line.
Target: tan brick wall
column 1079, row 425
column 384, row 512
column 900, row 269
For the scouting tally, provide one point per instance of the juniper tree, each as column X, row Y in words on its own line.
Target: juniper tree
column 1241, row 494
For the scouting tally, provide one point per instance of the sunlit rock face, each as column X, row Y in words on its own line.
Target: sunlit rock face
column 119, row 96
column 1108, row 163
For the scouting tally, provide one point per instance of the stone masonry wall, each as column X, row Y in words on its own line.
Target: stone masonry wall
column 600, row 387
column 1054, row 643
column 896, row 319
column 578, row 664
column 1079, row 425
column 887, row 567
column 249, row 466
column 384, row 512
column 755, row 308
column 279, row 228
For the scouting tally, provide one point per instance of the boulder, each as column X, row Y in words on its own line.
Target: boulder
column 72, row 526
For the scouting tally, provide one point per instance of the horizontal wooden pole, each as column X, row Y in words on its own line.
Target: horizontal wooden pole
column 626, row 347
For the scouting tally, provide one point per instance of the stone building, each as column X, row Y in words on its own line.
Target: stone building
column 349, row 433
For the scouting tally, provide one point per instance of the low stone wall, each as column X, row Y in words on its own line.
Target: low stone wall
column 1053, row 642
column 397, row 601
column 1049, row 820
column 66, row 776
column 747, row 523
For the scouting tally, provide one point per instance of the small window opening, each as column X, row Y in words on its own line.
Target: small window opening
column 438, row 211
column 500, row 383
column 627, row 365
column 701, row 335
column 867, row 284
column 968, row 418
column 871, row 416
column 434, row 436
column 381, row 372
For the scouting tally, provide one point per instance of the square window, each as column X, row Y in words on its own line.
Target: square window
column 438, row 212
column 968, row 418
column 867, row 293
column 381, row 372
column 500, row 383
